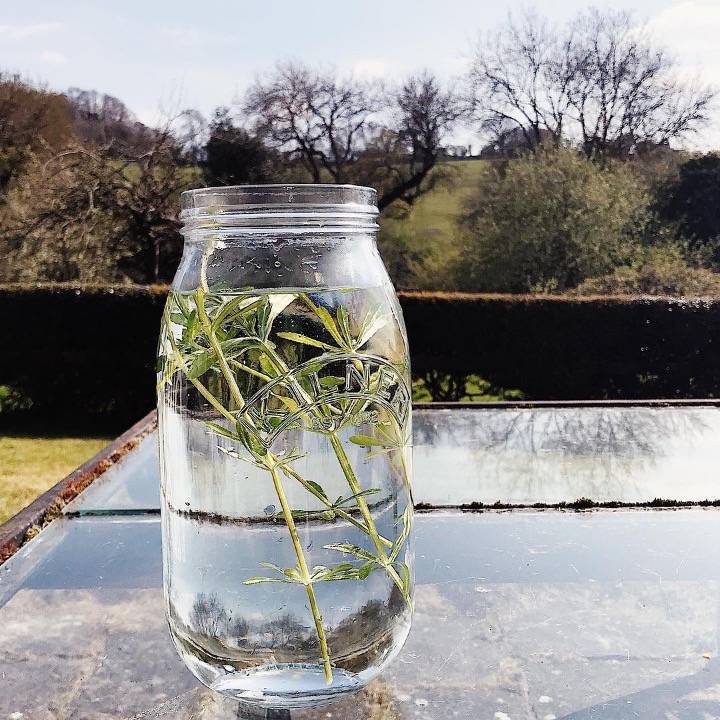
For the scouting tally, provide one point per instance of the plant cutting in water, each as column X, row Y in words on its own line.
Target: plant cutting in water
column 221, row 342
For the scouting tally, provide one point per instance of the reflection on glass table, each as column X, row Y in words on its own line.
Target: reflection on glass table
column 522, row 614
column 516, row 456
column 605, row 614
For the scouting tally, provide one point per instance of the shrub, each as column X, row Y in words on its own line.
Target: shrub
column 692, row 200
column 547, row 221
column 656, row 270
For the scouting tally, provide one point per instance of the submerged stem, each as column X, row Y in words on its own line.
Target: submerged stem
column 354, row 484
column 304, row 573
column 338, row 511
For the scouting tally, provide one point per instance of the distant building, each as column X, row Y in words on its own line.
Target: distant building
column 514, row 142
column 457, row 152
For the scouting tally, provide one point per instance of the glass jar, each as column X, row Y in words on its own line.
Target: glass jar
column 284, row 421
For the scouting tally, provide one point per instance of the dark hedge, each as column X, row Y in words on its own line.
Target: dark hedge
column 571, row 348
column 85, row 355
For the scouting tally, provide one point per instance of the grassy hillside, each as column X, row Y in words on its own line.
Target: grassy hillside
column 439, row 210
column 420, row 247
column 31, row 465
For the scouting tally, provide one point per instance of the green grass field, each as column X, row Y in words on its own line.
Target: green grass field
column 441, row 208
column 30, row 465
column 430, row 229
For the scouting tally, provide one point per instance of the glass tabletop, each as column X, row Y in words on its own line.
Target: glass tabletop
column 132, row 485
column 526, row 614
column 523, row 613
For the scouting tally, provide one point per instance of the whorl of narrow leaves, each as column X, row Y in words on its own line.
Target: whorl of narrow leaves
column 237, row 331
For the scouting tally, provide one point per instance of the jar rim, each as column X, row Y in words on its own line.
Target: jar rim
column 286, row 199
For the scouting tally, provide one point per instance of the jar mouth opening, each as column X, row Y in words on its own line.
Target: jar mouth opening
column 221, row 204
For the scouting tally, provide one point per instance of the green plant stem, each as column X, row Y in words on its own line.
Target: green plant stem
column 351, row 479
column 217, row 349
column 304, row 573
column 279, row 490
column 338, row 511
column 365, row 510
column 401, row 451
column 250, row 371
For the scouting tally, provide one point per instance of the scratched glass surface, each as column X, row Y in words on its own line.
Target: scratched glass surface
column 561, row 614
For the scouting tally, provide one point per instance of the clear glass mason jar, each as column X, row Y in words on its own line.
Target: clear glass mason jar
column 284, row 421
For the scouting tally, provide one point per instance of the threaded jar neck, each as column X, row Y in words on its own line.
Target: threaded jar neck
column 324, row 208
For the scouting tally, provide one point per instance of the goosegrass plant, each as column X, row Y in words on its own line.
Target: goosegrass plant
column 222, row 344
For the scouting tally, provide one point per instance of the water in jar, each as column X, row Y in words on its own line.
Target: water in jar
column 284, row 438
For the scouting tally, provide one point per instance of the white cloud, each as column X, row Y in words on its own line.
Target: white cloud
column 188, row 36
column 394, row 70
column 690, row 28
column 52, row 57
column 184, row 36
column 22, row 32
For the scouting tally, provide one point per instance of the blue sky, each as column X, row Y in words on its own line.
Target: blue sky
column 161, row 56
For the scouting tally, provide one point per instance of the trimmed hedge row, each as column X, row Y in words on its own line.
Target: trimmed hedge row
column 571, row 348
column 84, row 355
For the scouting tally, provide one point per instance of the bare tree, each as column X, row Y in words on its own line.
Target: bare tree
column 624, row 92
column 208, row 616
column 313, row 116
column 81, row 215
column 146, row 197
column 423, row 116
column 350, row 131
column 55, row 221
column 519, row 81
column 598, row 81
